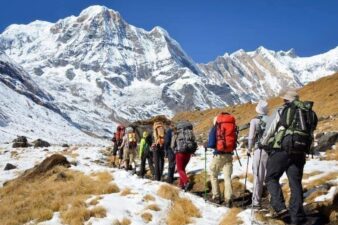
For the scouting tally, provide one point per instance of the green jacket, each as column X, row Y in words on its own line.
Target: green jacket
column 143, row 144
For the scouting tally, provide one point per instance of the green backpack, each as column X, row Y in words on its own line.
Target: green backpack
column 299, row 121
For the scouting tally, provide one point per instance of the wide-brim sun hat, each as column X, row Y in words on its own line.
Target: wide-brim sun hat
column 290, row 95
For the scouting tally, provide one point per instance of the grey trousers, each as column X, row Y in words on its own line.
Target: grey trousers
column 260, row 157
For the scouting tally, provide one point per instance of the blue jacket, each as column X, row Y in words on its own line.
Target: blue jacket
column 167, row 139
column 212, row 141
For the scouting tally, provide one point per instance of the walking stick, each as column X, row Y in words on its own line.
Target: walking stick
column 246, row 173
column 246, row 176
column 205, row 173
column 254, row 187
column 239, row 160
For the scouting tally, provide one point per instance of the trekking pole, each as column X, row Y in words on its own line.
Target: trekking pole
column 254, row 186
column 245, row 179
column 239, row 160
column 246, row 173
column 205, row 173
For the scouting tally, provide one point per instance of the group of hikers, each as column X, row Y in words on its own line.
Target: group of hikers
column 176, row 142
column 278, row 143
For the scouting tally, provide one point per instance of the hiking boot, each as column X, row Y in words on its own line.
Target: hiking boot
column 216, row 200
column 280, row 214
column 228, row 204
column 188, row 187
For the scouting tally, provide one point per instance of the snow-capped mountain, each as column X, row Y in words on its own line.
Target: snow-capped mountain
column 26, row 109
column 99, row 70
column 264, row 73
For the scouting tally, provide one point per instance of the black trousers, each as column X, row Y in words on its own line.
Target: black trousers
column 158, row 156
column 293, row 164
column 171, row 166
column 147, row 156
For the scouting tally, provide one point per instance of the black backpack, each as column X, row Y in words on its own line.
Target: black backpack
column 300, row 121
column 185, row 141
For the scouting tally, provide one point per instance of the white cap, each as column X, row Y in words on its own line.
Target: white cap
column 262, row 107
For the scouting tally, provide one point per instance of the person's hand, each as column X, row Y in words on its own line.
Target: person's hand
column 261, row 146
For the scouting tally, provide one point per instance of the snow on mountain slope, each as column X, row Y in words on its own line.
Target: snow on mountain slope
column 99, row 70
column 264, row 73
column 27, row 110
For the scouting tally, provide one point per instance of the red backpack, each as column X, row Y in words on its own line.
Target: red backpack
column 226, row 137
column 120, row 130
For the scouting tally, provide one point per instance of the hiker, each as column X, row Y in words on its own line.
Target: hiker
column 145, row 154
column 120, row 132
column 225, row 132
column 129, row 146
column 170, row 154
column 260, row 156
column 288, row 137
column 184, row 144
column 115, row 148
column 158, row 149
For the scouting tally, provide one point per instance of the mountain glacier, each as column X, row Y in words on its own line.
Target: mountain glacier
column 95, row 70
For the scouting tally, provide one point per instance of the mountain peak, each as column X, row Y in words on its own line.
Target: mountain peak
column 291, row 53
column 94, row 9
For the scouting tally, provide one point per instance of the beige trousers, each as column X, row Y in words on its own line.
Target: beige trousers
column 218, row 163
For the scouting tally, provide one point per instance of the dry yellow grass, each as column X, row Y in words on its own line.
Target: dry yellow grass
column 126, row 191
column 169, row 192
column 322, row 180
column 15, row 155
column 315, row 194
column 98, row 212
column 37, row 199
column 147, row 217
column 153, row 207
column 103, row 176
column 95, row 200
column 182, row 209
column 309, row 175
column 331, row 154
column 124, row 221
column 231, row 218
column 260, row 217
column 181, row 212
column 323, row 92
column 148, row 198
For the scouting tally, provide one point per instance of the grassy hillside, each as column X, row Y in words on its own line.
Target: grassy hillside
column 324, row 94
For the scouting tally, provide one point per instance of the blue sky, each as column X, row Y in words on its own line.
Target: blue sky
column 207, row 29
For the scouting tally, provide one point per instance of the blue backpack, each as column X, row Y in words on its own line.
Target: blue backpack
column 212, row 140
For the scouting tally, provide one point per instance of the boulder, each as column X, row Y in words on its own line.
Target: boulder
column 46, row 165
column 9, row 167
column 326, row 141
column 39, row 143
column 20, row 142
column 22, row 139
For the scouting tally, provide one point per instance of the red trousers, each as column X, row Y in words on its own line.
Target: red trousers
column 182, row 160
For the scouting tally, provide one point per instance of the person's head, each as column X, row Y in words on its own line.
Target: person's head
column 129, row 130
column 290, row 96
column 145, row 134
column 262, row 107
